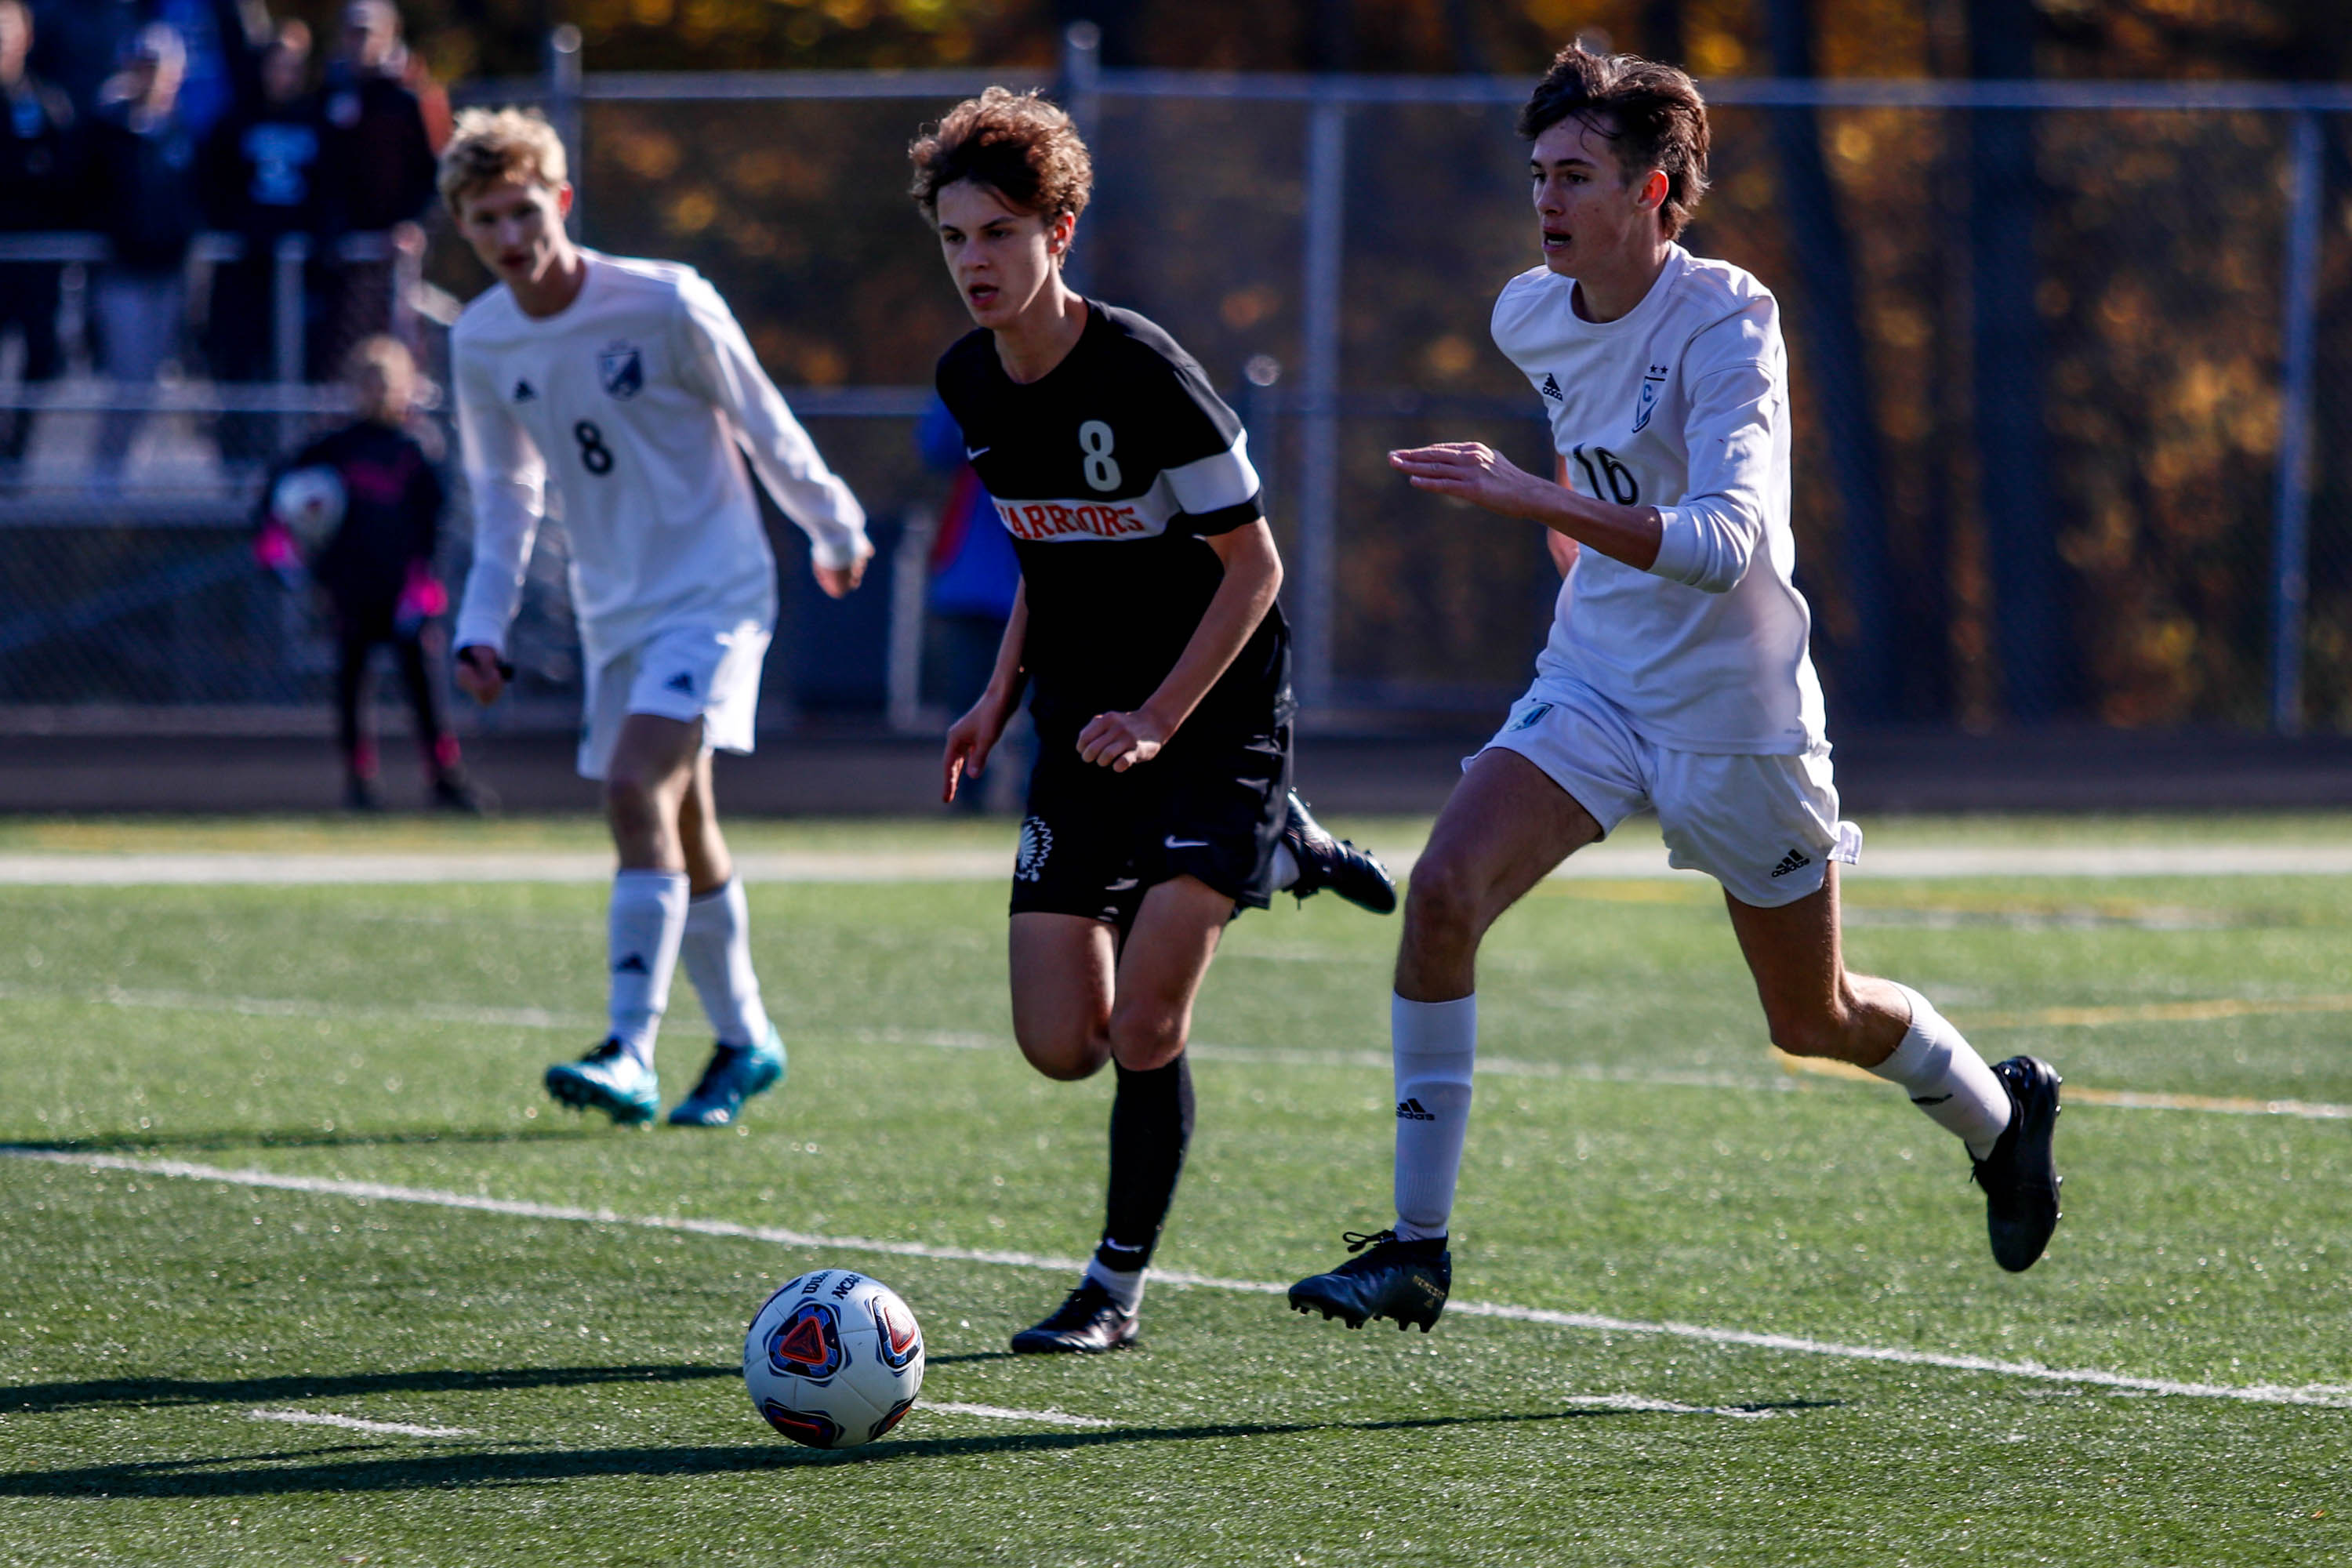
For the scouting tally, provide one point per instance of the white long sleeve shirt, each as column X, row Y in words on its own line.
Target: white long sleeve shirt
column 1680, row 403
column 634, row 399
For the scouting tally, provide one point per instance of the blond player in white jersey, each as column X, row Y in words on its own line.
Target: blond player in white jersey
column 1675, row 676
column 629, row 384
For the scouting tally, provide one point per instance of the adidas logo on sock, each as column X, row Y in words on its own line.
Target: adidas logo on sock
column 1794, row 860
column 1411, row 1110
column 632, row 965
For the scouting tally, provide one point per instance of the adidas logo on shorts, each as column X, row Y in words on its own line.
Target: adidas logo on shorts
column 1794, row 860
column 1411, row 1110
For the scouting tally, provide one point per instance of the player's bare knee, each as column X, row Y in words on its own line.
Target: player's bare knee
column 1146, row 1035
column 1065, row 1060
column 1440, row 907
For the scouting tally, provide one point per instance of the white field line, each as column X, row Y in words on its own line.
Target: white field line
column 998, row 1412
column 353, row 1424
column 1251, row 1056
column 2334, row 1396
column 1620, row 860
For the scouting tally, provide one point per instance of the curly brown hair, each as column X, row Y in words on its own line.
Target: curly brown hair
column 1026, row 150
column 1653, row 115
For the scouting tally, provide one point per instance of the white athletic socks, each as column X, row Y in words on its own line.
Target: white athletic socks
column 717, row 954
column 1945, row 1078
column 1285, row 867
column 1434, row 1044
column 1123, row 1286
column 649, row 922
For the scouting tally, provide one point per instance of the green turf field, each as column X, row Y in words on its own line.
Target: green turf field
column 1747, row 1316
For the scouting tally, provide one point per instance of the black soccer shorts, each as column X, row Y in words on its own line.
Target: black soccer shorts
column 1094, row 841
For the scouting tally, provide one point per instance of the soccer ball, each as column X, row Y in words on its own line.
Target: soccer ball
column 309, row 503
column 834, row 1359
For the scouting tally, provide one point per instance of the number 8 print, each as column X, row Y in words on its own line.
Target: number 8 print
column 1095, row 441
column 594, row 456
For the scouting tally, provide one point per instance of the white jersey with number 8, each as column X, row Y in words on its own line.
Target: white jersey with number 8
column 633, row 400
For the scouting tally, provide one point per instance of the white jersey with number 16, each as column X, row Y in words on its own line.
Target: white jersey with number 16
column 1680, row 403
column 633, row 400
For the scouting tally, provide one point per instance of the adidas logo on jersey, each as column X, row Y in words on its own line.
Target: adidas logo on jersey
column 632, row 965
column 1794, row 860
column 1551, row 388
column 525, row 393
column 681, row 681
column 1413, row 1111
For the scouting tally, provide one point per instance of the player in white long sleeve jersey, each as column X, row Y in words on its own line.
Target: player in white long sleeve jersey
column 1675, row 676
column 630, row 387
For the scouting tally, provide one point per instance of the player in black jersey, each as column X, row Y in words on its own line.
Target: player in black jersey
column 1146, row 624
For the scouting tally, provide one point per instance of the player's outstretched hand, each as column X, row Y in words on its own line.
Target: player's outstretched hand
column 840, row 582
column 1474, row 472
column 1119, row 741
column 482, row 675
column 970, row 739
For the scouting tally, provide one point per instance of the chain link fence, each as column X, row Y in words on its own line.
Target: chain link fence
column 2056, row 351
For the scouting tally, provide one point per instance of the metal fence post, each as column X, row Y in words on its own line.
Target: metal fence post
column 2306, row 180
column 293, row 350
column 563, row 105
column 1318, row 489
column 1081, row 93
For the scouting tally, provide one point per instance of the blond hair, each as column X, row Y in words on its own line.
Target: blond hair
column 490, row 146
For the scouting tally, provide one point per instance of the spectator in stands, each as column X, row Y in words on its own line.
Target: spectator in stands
column 973, row 578
column 223, row 41
column 377, row 169
column 375, row 571
column 79, row 44
column 260, row 184
column 143, row 168
column 36, row 177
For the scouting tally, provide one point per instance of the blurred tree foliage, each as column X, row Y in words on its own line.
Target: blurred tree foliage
column 2154, row 285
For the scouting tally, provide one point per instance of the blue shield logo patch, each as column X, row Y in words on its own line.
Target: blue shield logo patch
column 623, row 370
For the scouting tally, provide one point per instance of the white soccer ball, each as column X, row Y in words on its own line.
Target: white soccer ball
column 834, row 1359
column 309, row 503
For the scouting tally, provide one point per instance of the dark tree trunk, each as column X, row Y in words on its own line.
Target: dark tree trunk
column 2012, row 487
column 1865, row 676
column 1662, row 30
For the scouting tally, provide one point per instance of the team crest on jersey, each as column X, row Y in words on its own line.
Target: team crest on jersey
column 1653, row 381
column 622, row 369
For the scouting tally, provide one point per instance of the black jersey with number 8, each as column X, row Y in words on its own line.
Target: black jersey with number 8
column 1110, row 472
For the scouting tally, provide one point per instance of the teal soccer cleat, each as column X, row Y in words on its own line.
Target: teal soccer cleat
column 736, row 1073
column 609, row 1080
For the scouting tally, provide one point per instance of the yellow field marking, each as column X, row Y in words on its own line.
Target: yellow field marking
column 2120, row 1099
column 2160, row 1012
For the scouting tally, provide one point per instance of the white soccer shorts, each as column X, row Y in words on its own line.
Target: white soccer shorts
column 1765, row 827
column 684, row 673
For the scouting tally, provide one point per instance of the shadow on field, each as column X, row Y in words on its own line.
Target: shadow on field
column 200, row 1477
column 146, row 1141
column 149, row 1391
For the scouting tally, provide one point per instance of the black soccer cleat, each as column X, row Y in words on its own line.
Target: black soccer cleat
column 2019, row 1177
column 1086, row 1322
column 1406, row 1280
column 1356, row 875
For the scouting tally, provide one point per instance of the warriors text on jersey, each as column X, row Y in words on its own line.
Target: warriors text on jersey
column 1680, row 403
column 1110, row 472
column 633, row 400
